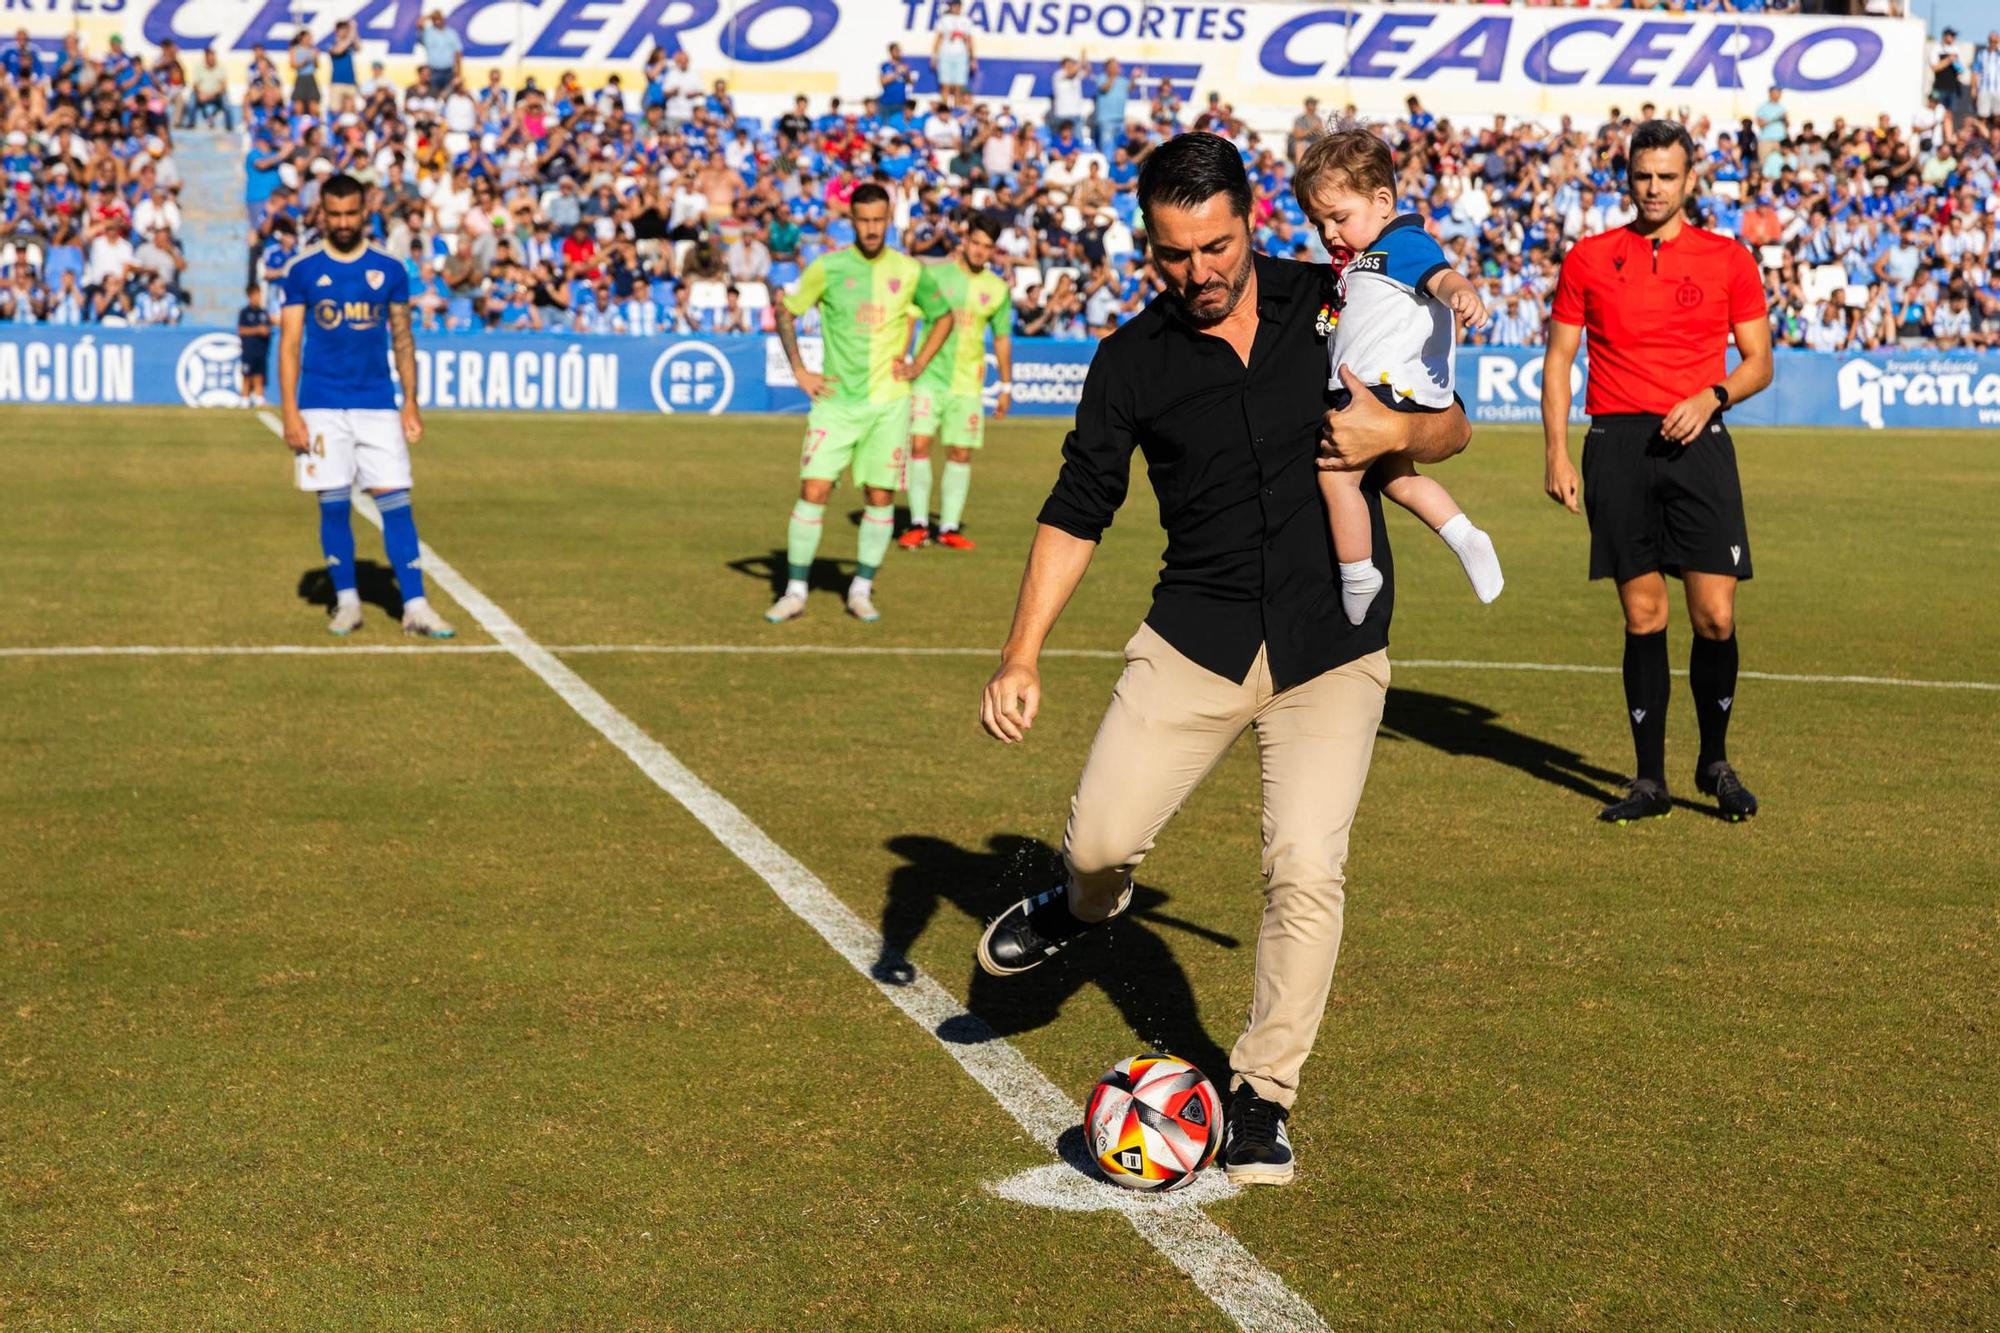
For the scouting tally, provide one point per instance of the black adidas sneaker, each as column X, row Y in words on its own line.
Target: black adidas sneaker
column 1030, row 933
column 1643, row 799
column 1255, row 1148
column 1719, row 780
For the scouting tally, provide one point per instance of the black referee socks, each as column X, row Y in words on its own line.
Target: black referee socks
column 1712, row 677
column 1647, row 682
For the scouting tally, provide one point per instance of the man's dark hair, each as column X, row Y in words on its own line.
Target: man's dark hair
column 342, row 186
column 1192, row 168
column 871, row 193
column 1660, row 134
column 985, row 226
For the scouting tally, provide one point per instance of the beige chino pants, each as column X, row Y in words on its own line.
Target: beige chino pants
column 1169, row 724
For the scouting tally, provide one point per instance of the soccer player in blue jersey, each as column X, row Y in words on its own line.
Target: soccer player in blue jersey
column 346, row 303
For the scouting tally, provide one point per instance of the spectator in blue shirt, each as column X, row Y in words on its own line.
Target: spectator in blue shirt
column 1114, row 91
column 896, row 79
column 444, row 53
column 19, row 60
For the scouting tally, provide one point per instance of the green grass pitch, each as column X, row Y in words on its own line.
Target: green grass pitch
column 381, row 990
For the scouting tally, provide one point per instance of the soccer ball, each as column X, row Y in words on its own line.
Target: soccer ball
column 1153, row 1122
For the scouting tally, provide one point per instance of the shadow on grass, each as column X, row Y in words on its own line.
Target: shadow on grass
column 1130, row 960
column 1461, row 727
column 376, row 584
column 827, row 575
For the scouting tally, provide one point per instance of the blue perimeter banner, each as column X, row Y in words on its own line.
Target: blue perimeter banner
column 695, row 376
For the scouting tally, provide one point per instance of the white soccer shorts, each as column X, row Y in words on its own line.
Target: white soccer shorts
column 350, row 445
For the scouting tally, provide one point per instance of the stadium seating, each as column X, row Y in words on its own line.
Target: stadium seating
column 1864, row 232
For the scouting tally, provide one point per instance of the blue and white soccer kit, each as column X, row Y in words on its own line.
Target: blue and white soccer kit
column 1391, row 335
column 347, row 394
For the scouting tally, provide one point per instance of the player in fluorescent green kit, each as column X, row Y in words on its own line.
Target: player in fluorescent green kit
column 860, row 419
column 947, row 404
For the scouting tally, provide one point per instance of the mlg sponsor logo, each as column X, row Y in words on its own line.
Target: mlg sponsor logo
column 1869, row 388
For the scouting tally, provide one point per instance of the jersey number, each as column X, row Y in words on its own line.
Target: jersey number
column 319, row 446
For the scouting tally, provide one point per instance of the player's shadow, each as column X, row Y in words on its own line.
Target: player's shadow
column 827, row 575
column 1461, row 727
column 1130, row 960
column 376, row 584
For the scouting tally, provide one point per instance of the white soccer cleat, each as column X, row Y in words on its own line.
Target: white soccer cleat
column 345, row 620
column 420, row 622
column 861, row 605
column 788, row 607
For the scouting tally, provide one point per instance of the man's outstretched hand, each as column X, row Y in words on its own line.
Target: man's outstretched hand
column 1011, row 699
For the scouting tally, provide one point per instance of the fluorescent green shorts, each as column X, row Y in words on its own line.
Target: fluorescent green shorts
column 871, row 439
column 955, row 420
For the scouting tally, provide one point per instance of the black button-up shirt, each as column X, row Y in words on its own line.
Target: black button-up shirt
column 1229, row 449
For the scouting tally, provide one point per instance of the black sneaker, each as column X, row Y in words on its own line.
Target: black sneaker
column 1255, row 1148
column 1643, row 799
column 1719, row 780
column 1030, row 933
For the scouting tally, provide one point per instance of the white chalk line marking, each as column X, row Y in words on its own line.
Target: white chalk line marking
column 1229, row 1275
column 1063, row 1188
column 871, row 650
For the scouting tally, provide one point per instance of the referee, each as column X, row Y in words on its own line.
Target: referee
column 1661, row 300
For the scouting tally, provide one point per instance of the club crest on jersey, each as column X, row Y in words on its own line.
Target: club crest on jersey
column 375, row 279
column 1688, row 295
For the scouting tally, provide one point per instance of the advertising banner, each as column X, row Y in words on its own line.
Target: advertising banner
column 1462, row 60
column 1917, row 389
column 710, row 376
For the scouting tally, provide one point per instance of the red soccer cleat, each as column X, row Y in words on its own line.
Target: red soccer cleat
column 956, row 540
column 914, row 539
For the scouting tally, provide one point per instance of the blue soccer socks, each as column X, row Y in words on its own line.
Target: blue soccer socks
column 399, row 539
column 336, row 542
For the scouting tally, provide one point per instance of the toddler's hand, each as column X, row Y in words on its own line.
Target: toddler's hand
column 1470, row 310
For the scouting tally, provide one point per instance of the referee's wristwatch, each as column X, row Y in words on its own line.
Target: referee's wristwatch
column 1721, row 396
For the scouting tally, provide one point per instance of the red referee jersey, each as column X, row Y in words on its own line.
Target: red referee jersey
column 1657, row 316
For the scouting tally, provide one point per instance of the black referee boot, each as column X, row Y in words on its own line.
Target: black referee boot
column 1719, row 780
column 1643, row 799
column 1031, row 932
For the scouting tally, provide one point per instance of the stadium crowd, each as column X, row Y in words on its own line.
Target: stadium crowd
column 654, row 206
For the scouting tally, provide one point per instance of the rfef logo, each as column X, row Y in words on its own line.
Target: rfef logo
column 206, row 371
column 693, row 377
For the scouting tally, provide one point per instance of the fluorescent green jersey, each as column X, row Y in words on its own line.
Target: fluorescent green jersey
column 978, row 301
column 865, row 312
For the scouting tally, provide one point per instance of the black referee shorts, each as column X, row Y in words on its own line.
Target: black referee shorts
column 1659, row 507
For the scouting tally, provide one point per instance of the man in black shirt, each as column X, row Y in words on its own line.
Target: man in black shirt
column 1221, row 384
column 796, row 124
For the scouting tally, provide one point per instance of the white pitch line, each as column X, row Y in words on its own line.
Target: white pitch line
column 1229, row 1275
column 876, row 650
column 252, row 650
